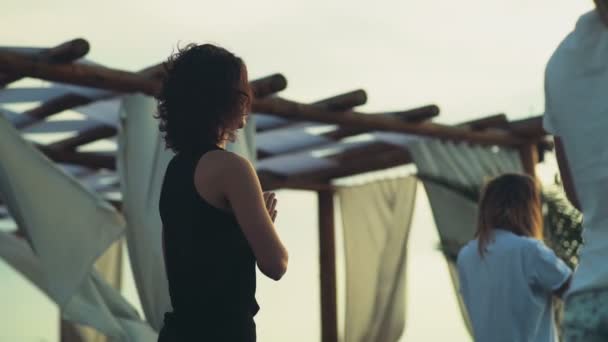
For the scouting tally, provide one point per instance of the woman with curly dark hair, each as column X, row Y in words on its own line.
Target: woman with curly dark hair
column 217, row 222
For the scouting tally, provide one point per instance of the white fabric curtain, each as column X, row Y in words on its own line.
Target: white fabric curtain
column 376, row 220
column 446, row 169
column 96, row 303
column 109, row 267
column 67, row 226
column 142, row 162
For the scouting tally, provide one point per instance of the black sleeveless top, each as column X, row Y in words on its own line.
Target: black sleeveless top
column 210, row 266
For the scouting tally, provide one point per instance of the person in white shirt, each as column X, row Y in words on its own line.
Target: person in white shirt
column 507, row 275
column 576, row 113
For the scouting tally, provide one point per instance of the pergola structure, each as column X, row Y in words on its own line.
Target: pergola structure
column 299, row 145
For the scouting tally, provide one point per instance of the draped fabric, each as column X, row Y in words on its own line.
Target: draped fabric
column 142, row 162
column 109, row 267
column 376, row 220
column 450, row 173
column 68, row 227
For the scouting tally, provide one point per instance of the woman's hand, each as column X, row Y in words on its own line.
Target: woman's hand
column 270, row 200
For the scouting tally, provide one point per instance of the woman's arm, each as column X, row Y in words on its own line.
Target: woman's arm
column 253, row 211
column 564, row 171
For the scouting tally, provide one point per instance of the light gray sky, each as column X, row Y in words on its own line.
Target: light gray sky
column 470, row 57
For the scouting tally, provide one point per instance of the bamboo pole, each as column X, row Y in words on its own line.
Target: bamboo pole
column 63, row 53
column 293, row 110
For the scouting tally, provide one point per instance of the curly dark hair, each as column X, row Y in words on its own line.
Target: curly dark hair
column 203, row 97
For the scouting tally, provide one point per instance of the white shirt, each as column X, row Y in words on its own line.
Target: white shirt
column 576, row 110
column 508, row 292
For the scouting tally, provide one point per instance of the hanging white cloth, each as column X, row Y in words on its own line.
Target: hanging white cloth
column 448, row 168
column 109, row 267
column 142, row 162
column 376, row 220
column 95, row 304
column 67, row 226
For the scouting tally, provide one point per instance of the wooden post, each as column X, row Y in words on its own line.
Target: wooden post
column 327, row 256
column 68, row 332
column 529, row 158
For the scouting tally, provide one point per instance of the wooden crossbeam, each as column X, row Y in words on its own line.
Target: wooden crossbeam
column 91, row 160
column 531, row 128
column 336, row 103
column 265, row 86
column 51, row 107
column 344, row 101
column 492, row 121
column 293, row 110
column 94, row 160
column 78, row 74
column 85, row 137
column 268, row 85
column 415, row 115
column 377, row 158
column 107, row 78
column 63, row 53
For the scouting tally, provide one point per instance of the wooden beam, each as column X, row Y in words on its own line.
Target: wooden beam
column 344, row 101
column 293, row 110
column 338, row 103
column 529, row 158
column 79, row 74
column 272, row 181
column 327, row 263
column 530, row 128
column 489, row 122
column 51, row 107
column 355, row 162
column 85, row 137
column 63, row 53
column 87, row 159
column 415, row 115
column 268, row 85
column 94, row 160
